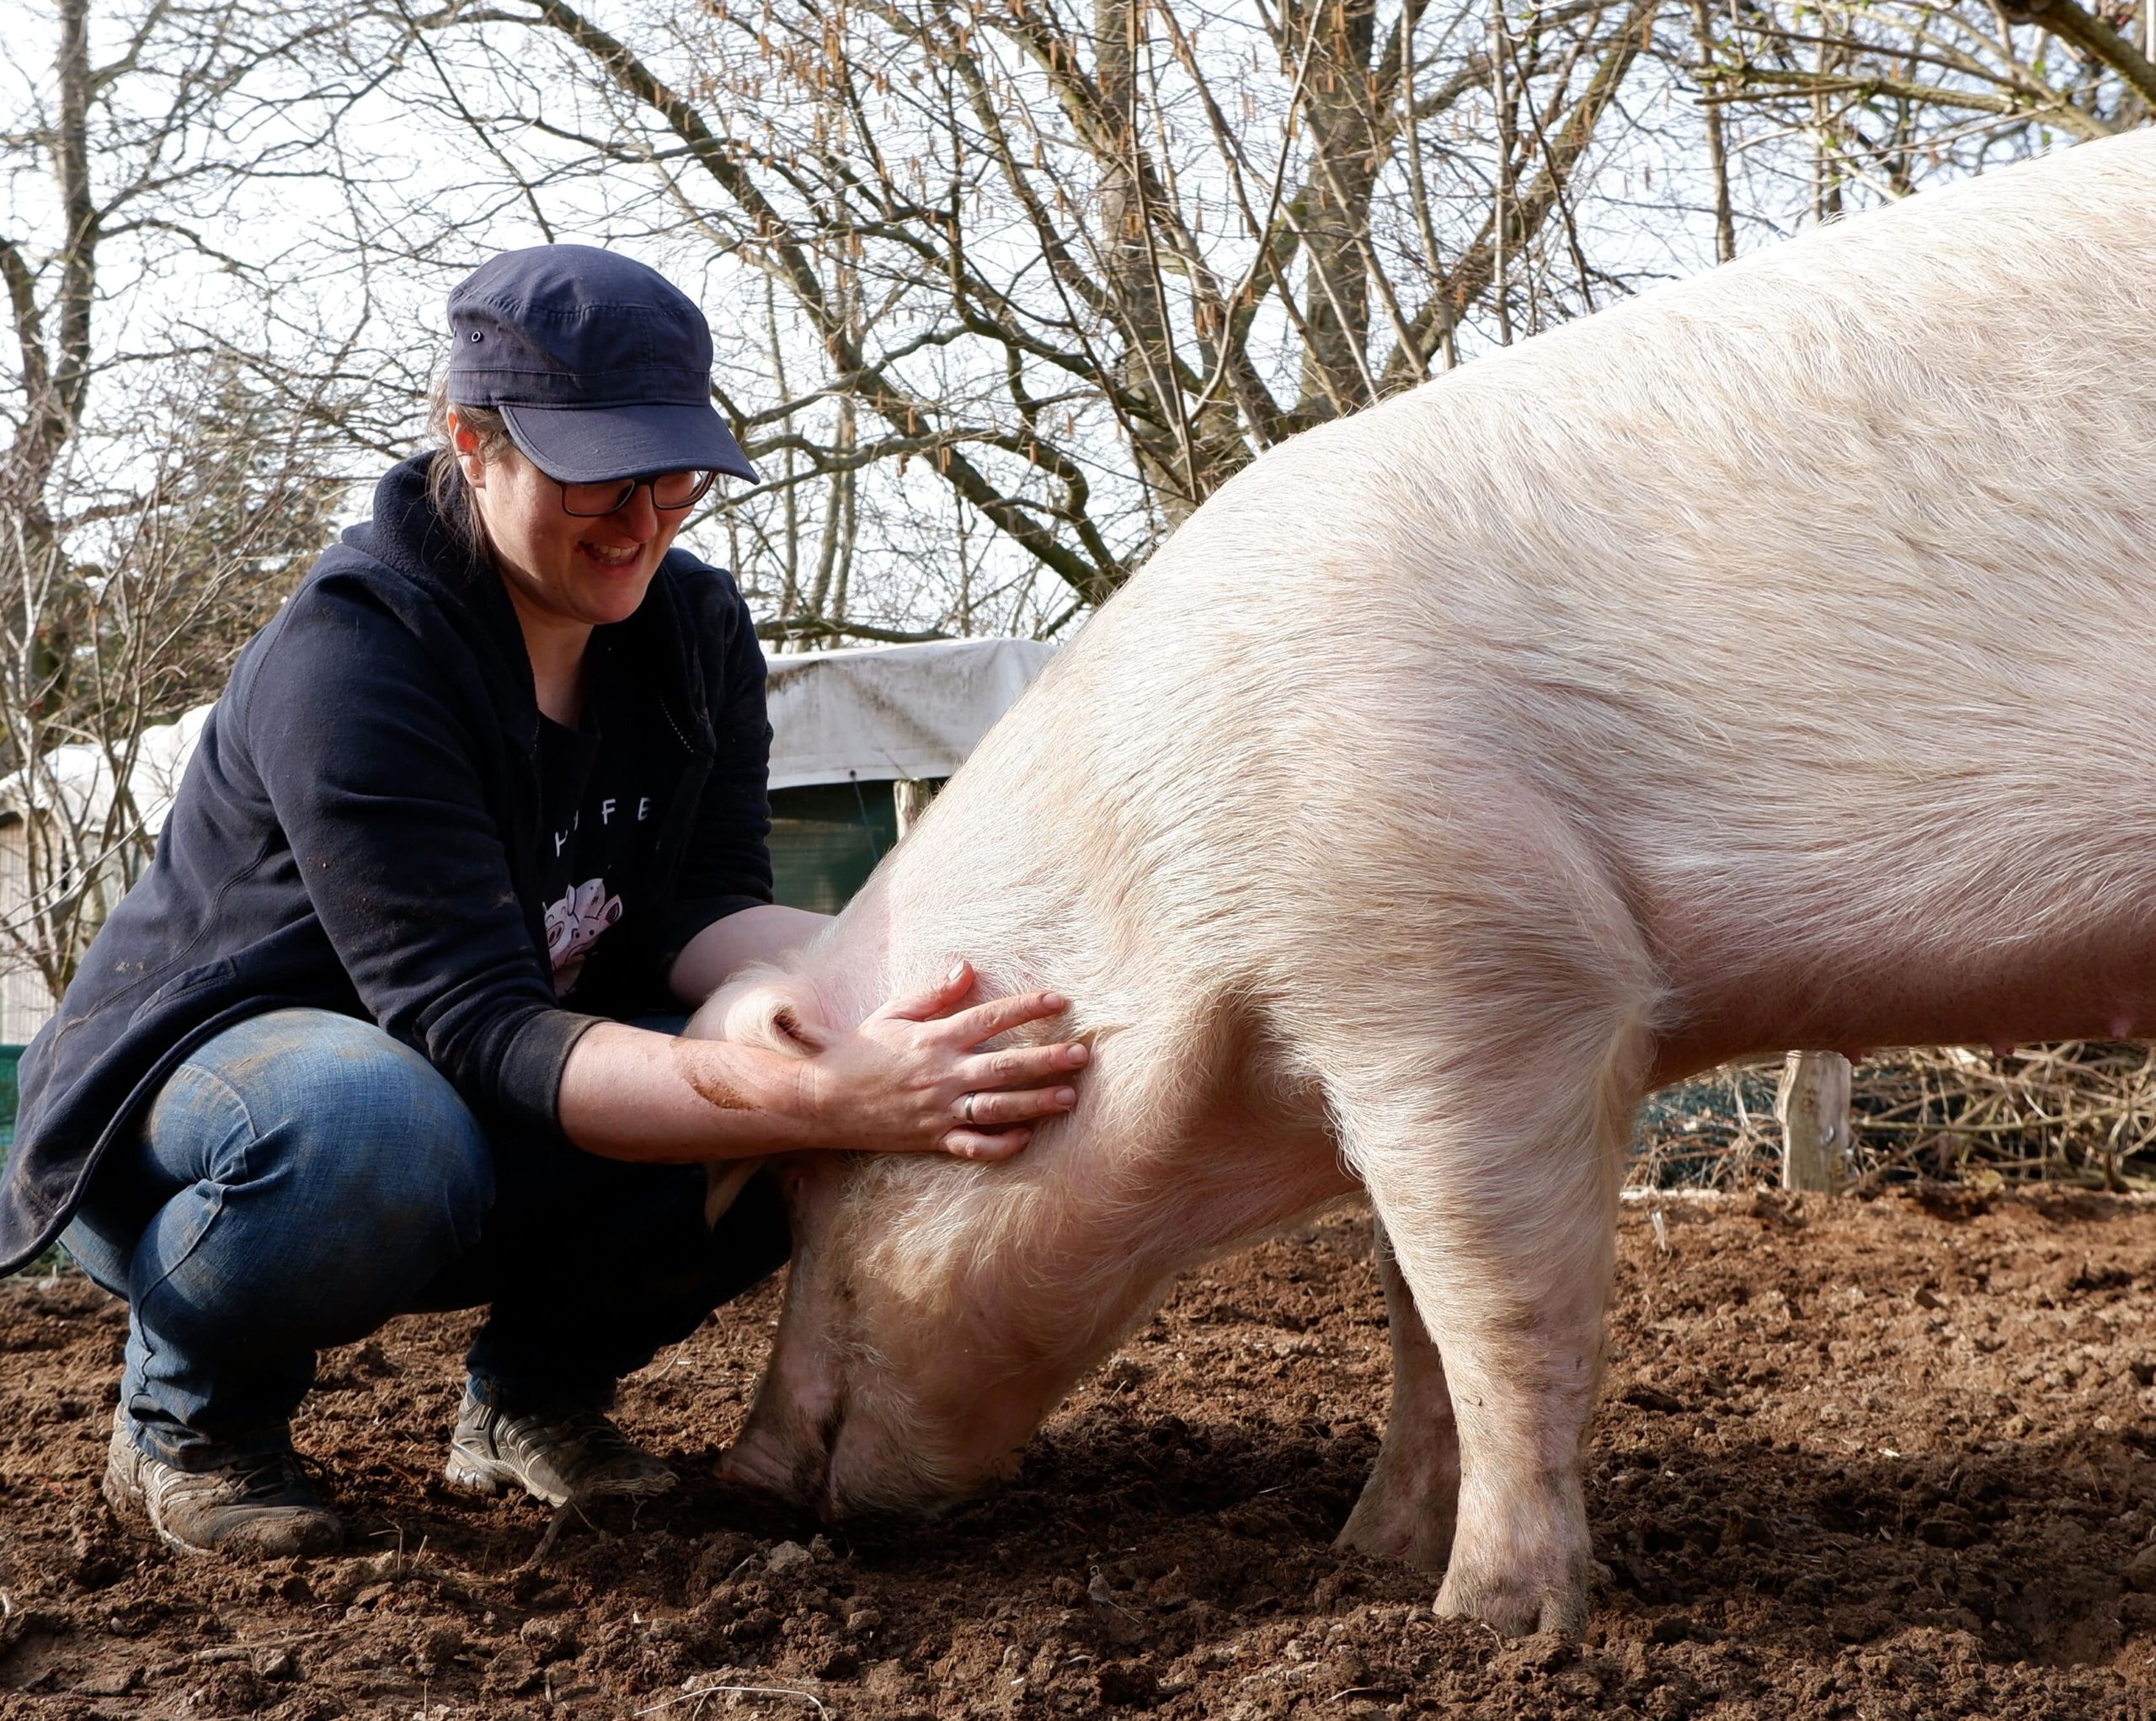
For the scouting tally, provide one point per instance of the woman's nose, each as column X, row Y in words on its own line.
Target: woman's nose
column 638, row 515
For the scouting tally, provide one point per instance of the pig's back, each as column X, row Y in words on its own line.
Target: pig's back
column 1814, row 595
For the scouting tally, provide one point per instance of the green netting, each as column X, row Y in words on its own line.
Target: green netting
column 8, row 1055
column 826, row 840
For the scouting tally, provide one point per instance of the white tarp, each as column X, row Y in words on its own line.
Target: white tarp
column 79, row 776
column 892, row 711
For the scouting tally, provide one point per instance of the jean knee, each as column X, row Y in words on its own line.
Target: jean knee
column 427, row 1169
column 348, row 1119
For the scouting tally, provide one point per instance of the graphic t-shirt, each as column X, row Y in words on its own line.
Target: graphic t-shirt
column 599, row 821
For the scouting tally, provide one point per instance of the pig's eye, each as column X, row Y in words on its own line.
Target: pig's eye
column 789, row 1025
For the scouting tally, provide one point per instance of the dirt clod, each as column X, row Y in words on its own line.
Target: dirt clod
column 788, row 1556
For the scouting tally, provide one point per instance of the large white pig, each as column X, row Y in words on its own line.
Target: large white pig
column 1769, row 661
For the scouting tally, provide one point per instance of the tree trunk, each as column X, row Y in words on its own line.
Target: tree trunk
column 1336, row 218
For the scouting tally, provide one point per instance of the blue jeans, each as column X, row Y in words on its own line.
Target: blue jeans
column 302, row 1177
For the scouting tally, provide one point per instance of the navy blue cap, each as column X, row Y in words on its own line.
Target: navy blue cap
column 601, row 366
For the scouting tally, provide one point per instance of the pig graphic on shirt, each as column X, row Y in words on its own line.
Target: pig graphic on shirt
column 573, row 926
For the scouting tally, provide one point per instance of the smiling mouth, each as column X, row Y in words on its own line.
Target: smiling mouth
column 612, row 556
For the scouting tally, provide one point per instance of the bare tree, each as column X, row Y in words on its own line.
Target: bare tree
column 153, row 503
column 1886, row 93
column 119, row 633
column 1044, row 278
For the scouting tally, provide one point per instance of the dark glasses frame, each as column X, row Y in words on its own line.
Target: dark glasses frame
column 604, row 496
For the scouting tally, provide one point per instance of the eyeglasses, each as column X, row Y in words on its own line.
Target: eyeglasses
column 670, row 493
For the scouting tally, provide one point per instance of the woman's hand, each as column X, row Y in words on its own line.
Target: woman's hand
column 911, row 1079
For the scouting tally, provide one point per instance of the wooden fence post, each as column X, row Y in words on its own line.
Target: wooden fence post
column 912, row 797
column 1812, row 1101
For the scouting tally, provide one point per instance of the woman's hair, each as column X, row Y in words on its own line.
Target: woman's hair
column 454, row 504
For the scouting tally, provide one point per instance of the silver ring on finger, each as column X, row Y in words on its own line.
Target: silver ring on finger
column 966, row 1108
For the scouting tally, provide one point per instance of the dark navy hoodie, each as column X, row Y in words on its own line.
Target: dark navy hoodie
column 360, row 830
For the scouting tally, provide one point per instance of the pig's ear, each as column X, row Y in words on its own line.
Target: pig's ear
column 781, row 1014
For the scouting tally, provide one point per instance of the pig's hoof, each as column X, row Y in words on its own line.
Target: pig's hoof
column 1518, row 1607
column 1388, row 1528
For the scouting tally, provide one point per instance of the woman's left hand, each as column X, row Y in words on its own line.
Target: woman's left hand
column 912, row 1079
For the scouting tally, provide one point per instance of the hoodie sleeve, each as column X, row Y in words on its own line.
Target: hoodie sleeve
column 369, row 749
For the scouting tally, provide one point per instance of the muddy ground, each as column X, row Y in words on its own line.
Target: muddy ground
column 1894, row 1459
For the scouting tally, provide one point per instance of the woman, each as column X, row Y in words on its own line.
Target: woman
column 487, row 792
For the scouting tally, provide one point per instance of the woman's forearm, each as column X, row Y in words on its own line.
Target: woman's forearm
column 629, row 1094
column 911, row 1078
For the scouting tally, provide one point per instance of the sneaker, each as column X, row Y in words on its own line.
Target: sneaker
column 264, row 1508
column 556, row 1456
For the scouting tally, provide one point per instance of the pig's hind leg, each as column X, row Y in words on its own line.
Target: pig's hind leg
column 1406, row 1510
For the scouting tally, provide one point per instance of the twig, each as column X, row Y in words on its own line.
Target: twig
column 215, row 1653
column 225, row 1652
column 753, row 1691
column 551, row 1535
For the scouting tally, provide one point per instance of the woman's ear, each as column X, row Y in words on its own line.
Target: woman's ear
column 465, row 441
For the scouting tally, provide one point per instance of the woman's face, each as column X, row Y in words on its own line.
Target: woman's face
column 561, row 568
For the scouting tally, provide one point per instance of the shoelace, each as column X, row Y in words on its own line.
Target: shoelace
column 271, row 1475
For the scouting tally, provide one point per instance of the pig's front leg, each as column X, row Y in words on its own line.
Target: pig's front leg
column 1504, row 1235
column 1482, row 1058
column 1406, row 1512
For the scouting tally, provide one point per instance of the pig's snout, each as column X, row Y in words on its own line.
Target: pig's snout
column 794, row 1467
column 804, row 1480
column 847, row 1470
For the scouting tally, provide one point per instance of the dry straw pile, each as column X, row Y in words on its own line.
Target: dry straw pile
column 2080, row 1112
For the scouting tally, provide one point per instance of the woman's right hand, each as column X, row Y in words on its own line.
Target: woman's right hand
column 912, row 1079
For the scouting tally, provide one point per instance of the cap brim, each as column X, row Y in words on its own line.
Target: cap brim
column 579, row 445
